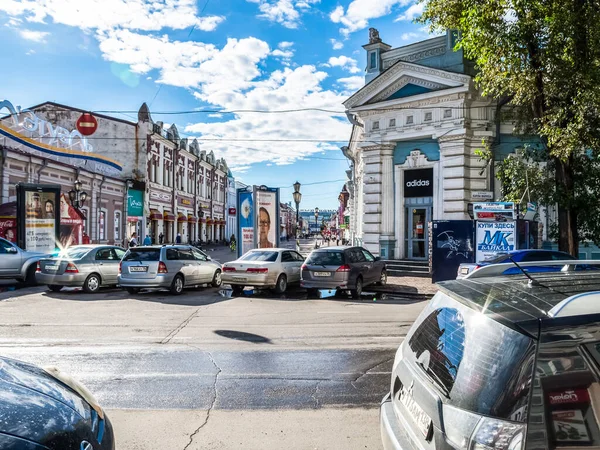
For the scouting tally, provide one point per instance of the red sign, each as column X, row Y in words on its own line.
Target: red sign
column 232, row 211
column 87, row 124
column 569, row 396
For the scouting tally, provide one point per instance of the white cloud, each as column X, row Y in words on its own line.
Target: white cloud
column 410, row 36
column 101, row 14
column 359, row 12
column 412, row 12
column 35, row 36
column 344, row 62
column 30, row 52
column 216, row 115
column 352, row 83
column 282, row 53
column 337, row 45
column 284, row 12
column 285, row 44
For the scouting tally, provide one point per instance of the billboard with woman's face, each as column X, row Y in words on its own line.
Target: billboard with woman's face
column 38, row 218
column 267, row 218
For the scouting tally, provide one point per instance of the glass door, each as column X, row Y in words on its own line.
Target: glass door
column 416, row 227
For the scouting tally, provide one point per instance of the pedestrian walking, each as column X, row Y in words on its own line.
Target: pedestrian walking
column 161, row 237
column 147, row 240
column 133, row 241
column 178, row 238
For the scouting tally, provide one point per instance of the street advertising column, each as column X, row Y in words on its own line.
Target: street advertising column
column 495, row 229
column 452, row 245
column 38, row 217
column 246, row 221
column 267, row 217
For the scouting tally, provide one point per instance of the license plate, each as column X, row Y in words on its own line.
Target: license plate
column 138, row 269
column 52, row 267
column 240, row 278
column 321, row 274
column 422, row 420
column 464, row 270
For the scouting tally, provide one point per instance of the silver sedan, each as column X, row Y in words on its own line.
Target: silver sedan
column 87, row 266
column 272, row 268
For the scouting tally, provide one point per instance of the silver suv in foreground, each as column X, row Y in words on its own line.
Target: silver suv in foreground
column 507, row 362
column 171, row 267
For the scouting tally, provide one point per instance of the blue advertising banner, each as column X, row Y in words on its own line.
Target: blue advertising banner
column 245, row 207
column 493, row 238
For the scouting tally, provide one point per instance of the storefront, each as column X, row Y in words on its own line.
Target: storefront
column 160, row 229
column 135, row 214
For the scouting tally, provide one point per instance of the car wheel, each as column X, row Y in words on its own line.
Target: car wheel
column 357, row 291
column 216, row 282
column 383, row 278
column 30, row 275
column 91, row 285
column 132, row 291
column 177, row 285
column 281, row 285
column 55, row 287
column 236, row 289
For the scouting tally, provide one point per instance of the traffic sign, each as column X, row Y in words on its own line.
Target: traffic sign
column 87, row 124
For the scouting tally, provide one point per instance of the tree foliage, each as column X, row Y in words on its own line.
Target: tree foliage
column 543, row 55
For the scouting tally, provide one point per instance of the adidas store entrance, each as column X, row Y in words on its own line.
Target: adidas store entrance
column 418, row 209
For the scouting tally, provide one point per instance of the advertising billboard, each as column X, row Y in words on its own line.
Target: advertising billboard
column 452, row 245
column 494, row 211
column 418, row 183
column 267, row 217
column 135, row 203
column 38, row 213
column 245, row 221
column 493, row 238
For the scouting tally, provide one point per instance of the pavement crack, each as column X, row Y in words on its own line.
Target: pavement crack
column 366, row 372
column 180, row 327
column 314, row 395
column 213, row 402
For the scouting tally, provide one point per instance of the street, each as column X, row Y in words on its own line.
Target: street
column 205, row 370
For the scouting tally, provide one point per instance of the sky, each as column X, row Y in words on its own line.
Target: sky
column 208, row 66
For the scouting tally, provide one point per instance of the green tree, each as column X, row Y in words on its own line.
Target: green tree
column 542, row 57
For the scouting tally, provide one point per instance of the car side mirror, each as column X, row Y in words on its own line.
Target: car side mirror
column 209, row 258
column 11, row 250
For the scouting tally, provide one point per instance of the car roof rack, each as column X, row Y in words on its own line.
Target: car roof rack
column 577, row 305
column 493, row 270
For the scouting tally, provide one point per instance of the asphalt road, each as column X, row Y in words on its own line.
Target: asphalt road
column 207, row 370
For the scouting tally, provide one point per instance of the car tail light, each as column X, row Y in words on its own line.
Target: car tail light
column 121, row 267
column 257, row 270
column 71, row 268
column 228, row 269
column 162, row 267
column 304, row 267
column 470, row 431
column 38, row 269
column 344, row 268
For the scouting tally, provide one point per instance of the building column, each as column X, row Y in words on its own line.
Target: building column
column 387, row 240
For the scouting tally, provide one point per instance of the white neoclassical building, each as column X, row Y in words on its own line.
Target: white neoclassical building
column 416, row 125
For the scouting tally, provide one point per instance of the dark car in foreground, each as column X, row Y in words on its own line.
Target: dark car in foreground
column 501, row 362
column 518, row 256
column 342, row 269
column 39, row 412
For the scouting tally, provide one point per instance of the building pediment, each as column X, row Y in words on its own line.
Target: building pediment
column 404, row 80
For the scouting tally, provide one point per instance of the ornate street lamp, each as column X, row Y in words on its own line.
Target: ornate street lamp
column 297, row 198
column 317, row 218
column 76, row 196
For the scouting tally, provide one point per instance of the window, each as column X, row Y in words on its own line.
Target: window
column 447, row 113
column 5, row 247
column 287, row 257
column 356, row 256
column 298, row 256
column 392, row 123
column 368, row 255
column 146, row 254
column 198, row 255
column 185, row 254
column 373, row 60
column 260, row 256
column 409, row 120
column 325, row 258
column 102, row 225
column 104, row 254
column 428, row 116
column 376, row 125
column 172, row 254
column 117, row 224
column 120, row 253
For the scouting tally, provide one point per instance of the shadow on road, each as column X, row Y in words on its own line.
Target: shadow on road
column 242, row 336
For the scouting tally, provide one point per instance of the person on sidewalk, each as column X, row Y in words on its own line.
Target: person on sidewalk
column 178, row 238
column 161, row 237
column 147, row 240
column 133, row 241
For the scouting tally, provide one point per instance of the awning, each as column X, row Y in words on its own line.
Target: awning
column 209, row 220
column 167, row 216
column 203, row 220
column 192, row 219
column 155, row 215
column 181, row 217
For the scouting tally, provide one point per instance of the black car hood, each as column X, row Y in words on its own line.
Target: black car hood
column 36, row 407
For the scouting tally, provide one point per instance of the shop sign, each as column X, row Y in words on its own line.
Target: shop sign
column 135, row 203
column 418, row 183
column 160, row 196
column 493, row 238
column 494, row 211
column 184, row 201
column 232, row 211
column 569, row 396
column 482, row 195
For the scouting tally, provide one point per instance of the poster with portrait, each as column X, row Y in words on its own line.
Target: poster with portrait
column 8, row 221
column 267, row 215
column 38, row 211
column 245, row 222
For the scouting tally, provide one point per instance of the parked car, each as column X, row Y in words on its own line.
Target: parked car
column 88, row 266
column 46, row 409
column 518, row 256
column 342, row 269
column 273, row 268
column 500, row 362
column 171, row 267
column 16, row 263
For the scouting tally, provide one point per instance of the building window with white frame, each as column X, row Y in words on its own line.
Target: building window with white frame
column 410, row 120
column 102, row 225
column 373, row 60
column 117, row 225
column 392, row 123
column 375, row 125
column 428, row 116
column 447, row 113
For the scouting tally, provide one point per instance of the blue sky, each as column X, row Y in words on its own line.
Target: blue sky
column 220, row 55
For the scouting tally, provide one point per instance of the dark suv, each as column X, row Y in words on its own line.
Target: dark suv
column 501, row 362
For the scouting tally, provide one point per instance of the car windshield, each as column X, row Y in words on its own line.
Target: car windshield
column 260, row 256
column 324, row 258
column 142, row 254
column 498, row 259
column 73, row 253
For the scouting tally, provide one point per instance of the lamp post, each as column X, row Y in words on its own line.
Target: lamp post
column 317, row 218
column 77, row 196
column 297, row 198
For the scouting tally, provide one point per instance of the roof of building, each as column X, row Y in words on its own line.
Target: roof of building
column 72, row 108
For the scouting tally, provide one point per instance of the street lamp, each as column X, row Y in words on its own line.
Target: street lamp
column 316, row 219
column 76, row 196
column 297, row 198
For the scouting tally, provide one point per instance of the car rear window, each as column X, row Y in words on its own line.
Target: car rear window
column 325, row 258
column 74, row 253
column 142, row 254
column 260, row 256
column 475, row 362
